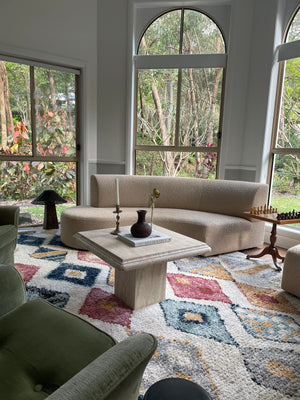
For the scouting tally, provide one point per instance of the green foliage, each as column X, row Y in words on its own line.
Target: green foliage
column 21, row 180
column 55, row 134
column 38, row 211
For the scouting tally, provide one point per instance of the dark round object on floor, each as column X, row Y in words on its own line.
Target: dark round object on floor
column 176, row 389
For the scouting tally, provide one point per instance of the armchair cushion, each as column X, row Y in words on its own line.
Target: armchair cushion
column 41, row 347
column 46, row 352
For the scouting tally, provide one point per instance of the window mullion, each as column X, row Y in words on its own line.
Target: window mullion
column 33, row 113
column 179, row 81
column 178, row 101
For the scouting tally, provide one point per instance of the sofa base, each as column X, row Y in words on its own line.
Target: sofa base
column 223, row 233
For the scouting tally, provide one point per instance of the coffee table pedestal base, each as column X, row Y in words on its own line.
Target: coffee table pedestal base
column 142, row 287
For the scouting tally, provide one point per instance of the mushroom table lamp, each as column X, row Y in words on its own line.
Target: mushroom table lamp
column 49, row 198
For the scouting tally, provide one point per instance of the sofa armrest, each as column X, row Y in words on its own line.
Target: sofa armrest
column 115, row 375
column 9, row 215
column 12, row 289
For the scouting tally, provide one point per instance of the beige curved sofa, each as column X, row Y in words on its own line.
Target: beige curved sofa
column 208, row 210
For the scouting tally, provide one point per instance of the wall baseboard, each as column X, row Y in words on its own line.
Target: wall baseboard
column 106, row 167
column 240, row 173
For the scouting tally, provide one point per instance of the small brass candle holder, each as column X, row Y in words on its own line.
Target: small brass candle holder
column 118, row 212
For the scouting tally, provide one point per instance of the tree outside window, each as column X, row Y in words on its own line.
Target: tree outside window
column 285, row 178
column 180, row 71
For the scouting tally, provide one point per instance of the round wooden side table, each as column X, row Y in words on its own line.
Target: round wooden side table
column 176, row 389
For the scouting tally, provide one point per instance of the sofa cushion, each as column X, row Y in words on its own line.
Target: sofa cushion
column 34, row 359
column 135, row 191
column 223, row 233
column 217, row 196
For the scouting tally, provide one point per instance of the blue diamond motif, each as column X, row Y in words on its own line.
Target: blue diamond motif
column 78, row 274
column 198, row 319
column 59, row 299
column 268, row 326
column 30, row 240
column 49, row 254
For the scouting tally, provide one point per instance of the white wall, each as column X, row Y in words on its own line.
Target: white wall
column 112, row 87
column 63, row 32
column 97, row 36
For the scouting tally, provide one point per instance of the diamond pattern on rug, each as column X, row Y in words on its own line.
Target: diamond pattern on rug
column 59, row 299
column 267, row 298
column 89, row 257
column 254, row 270
column 106, row 307
column 235, row 260
column 268, row 326
column 30, row 240
column 26, row 271
column 78, row 274
column 238, row 263
column 197, row 288
column 198, row 319
column 110, row 280
column 181, row 360
column 55, row 241
column 49, row 254
column 274, row 368
column 210, row 266
column 197, row 323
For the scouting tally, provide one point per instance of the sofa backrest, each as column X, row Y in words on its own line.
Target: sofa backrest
column 219, row 196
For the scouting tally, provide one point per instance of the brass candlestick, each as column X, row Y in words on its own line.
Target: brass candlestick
column 118, row 212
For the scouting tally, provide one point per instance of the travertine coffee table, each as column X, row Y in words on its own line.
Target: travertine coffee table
column 140, row 272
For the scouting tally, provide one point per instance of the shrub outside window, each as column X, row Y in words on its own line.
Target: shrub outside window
column 179, row 82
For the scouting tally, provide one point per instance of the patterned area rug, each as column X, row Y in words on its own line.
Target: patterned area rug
column 225, row 323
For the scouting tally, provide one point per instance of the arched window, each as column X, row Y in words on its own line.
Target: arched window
column 285, row 153
column 180, row 72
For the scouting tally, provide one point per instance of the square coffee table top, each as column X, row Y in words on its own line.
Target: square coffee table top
column 125, row 257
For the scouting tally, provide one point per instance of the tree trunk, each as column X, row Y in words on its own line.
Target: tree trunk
column 69, row 107
column 9, row 117
column 168, row 162
column 52, row 90
column 27, row 85
column 3, row 113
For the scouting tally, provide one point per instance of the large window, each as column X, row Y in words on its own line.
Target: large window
column 285, row 174
column 180, row 72
column 39, row 143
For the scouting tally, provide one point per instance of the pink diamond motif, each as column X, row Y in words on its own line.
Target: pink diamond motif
column 26, row 271
column 106, row 307
column 197, row 288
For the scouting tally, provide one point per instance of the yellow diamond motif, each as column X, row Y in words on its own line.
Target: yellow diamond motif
column 107, row 305
column 183, row 281
column 189, row 316
column 278, row 369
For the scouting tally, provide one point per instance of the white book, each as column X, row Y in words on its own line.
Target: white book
column 155, row 238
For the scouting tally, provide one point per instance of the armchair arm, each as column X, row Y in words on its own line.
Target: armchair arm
column 115, row 375
column 12, row 289
column 9, row 215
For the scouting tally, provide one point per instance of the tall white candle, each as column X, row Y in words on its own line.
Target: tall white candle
column 117, row 192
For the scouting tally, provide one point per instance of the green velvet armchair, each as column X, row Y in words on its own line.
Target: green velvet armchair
column 49, row 353
column 9, row 219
